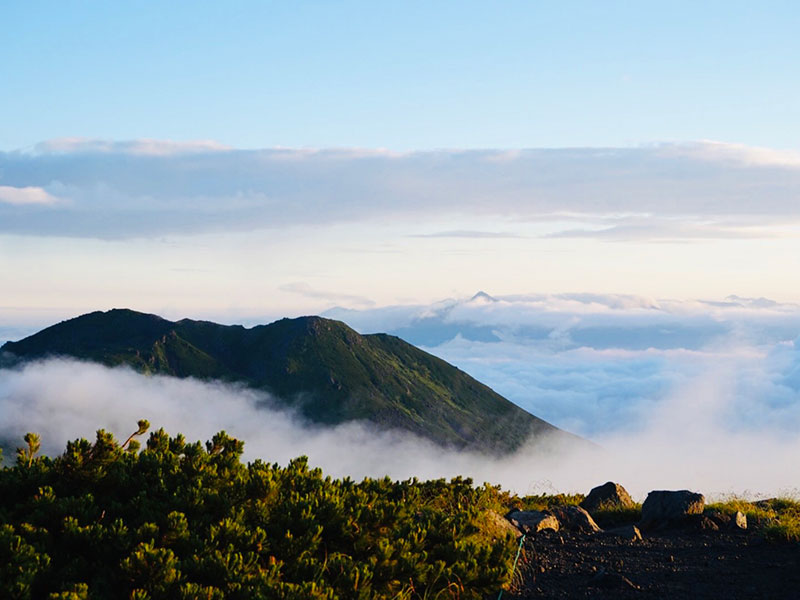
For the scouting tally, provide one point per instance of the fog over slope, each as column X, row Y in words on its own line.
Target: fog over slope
column 684, row 443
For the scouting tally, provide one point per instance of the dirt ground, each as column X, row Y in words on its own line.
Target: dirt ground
column 675, row 564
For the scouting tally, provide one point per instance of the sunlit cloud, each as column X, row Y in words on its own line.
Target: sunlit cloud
column 143, row 147
column 26, row 196
column 736, row 153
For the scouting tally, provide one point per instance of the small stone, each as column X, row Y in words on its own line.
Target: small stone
column 739, row 521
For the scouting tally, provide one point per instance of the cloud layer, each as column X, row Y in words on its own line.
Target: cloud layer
column 150, row 187
column 684, row 444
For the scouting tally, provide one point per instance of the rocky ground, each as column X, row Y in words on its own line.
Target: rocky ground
column 684, row 551
column 675, row 564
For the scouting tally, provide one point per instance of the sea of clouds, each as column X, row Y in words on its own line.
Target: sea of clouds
column 698, row 395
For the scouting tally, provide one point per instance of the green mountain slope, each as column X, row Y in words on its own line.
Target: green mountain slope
column 322, row 368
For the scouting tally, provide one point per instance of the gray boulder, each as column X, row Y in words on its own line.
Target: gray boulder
column 608, row 495
column 574, row 518
column 670, row 508
column 531, row 521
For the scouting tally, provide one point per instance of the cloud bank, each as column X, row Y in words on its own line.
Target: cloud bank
column 684, row 444
column 151, row 187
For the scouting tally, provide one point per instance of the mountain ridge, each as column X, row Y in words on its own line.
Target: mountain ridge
column 320, row 367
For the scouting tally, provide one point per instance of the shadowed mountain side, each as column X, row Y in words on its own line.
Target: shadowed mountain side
column 322, row 368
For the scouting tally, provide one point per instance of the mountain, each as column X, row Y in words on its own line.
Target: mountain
column 322, row 368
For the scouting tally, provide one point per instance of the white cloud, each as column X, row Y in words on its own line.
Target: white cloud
column 736, row 153
column 152, row 187
column 26, row 196
column 143, row 147
column 656, row 229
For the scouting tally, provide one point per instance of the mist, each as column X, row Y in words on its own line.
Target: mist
column 687, row 441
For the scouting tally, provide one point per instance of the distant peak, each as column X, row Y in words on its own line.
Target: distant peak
column 482, row 296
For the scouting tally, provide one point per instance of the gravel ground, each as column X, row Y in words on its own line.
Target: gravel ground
column 676, row 564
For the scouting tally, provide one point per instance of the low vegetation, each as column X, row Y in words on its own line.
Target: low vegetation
column 542, row 502
column 777, row 518
column 189, row 521
column 612, row 515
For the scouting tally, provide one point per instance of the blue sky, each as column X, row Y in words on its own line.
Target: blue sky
column 401, row 75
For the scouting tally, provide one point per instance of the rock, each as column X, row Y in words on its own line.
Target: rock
column 702, row 522
column 574, row 518
column 669, row 508
column 629, row 533
column 498, row 526
column 722, row 520
column 611, row 580
column 531, row 521
column 736, row 520
column 608, row 495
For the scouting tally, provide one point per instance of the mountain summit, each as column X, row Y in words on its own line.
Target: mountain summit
column 322, row 368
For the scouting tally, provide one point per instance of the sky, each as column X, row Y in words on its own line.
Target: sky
column 253, row 160
column 401, row 75
column 622, row 179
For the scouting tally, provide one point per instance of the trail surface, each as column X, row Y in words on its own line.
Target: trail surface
column 675, row 564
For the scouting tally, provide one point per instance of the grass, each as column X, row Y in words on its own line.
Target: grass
column 611, row 515
column 542, row 502
column 778, row 519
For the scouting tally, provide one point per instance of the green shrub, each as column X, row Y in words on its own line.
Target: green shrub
column 186, row 520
